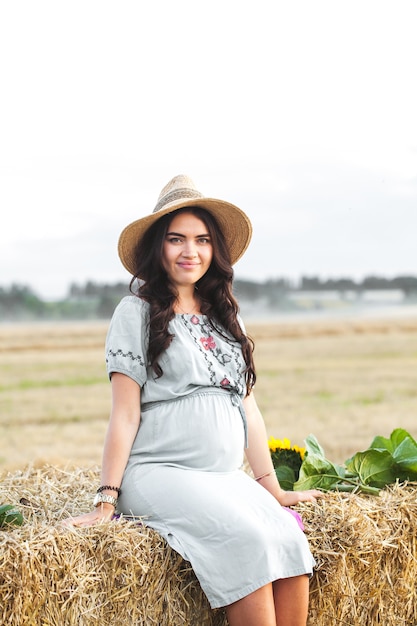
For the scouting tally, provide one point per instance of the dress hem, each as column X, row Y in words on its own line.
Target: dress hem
column 219, row 604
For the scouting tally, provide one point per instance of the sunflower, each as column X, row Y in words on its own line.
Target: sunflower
column 284, row 454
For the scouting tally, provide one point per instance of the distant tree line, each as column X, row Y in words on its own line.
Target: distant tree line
column 92, row 301
column 407, row 284
column 97, row 301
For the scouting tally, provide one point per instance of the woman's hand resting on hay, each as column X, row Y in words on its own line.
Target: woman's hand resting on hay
column 102, row 513
column 290, row 498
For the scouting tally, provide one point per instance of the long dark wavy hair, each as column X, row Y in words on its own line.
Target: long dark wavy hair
column 214, row 290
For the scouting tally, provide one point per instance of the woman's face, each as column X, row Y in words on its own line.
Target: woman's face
column 187, row 250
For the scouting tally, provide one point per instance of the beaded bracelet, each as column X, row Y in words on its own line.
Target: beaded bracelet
column 108, row 488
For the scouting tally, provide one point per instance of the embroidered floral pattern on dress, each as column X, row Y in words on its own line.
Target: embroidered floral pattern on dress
column 127, row 355
column 222, row 357
column 208, row 343
column 202, row 334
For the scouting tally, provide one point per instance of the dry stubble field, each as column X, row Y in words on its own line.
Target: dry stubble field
column 344, row 381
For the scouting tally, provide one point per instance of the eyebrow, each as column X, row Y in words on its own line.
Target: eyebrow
column 181, row 235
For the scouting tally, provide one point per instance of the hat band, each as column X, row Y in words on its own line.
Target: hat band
column 177, row 195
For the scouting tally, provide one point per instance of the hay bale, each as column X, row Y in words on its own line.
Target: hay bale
column 116, row 573
column 365, row 547
column 125, row 574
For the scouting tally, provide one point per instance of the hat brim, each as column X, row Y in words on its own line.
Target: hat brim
column 233, row 222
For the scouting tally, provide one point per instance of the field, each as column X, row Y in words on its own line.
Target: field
column 344, row 381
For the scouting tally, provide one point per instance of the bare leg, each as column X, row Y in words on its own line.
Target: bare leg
column 291, row 601
column 256, row 609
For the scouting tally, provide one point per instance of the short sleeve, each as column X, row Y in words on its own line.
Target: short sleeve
column 127, row 339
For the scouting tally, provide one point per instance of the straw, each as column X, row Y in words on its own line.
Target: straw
column 123, row 573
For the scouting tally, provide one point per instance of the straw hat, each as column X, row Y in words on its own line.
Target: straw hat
column 180, row 192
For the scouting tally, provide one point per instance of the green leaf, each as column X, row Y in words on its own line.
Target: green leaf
column 317, row 472
column 399, row 434
column 404, row 451
column 286, row 477
column 9, row 515
column 397, row 437
column 313, row 446
column 405, row 455
column 4, row 508
column 382, row 443
column 374, row 467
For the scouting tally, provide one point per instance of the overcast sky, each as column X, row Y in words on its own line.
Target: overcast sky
column 303, row 113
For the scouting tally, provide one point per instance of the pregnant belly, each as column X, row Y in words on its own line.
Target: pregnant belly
column 200, row 431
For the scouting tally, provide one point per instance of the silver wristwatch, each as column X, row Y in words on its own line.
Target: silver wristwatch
column 103, row 497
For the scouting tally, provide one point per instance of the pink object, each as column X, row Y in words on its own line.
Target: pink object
column 296, row 515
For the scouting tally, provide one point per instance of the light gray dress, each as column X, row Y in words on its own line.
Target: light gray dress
column 184, row 475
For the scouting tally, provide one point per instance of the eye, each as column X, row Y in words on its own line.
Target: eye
column 174, row 239
column 204, row 240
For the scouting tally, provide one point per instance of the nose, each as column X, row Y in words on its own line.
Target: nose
column 190, row 250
